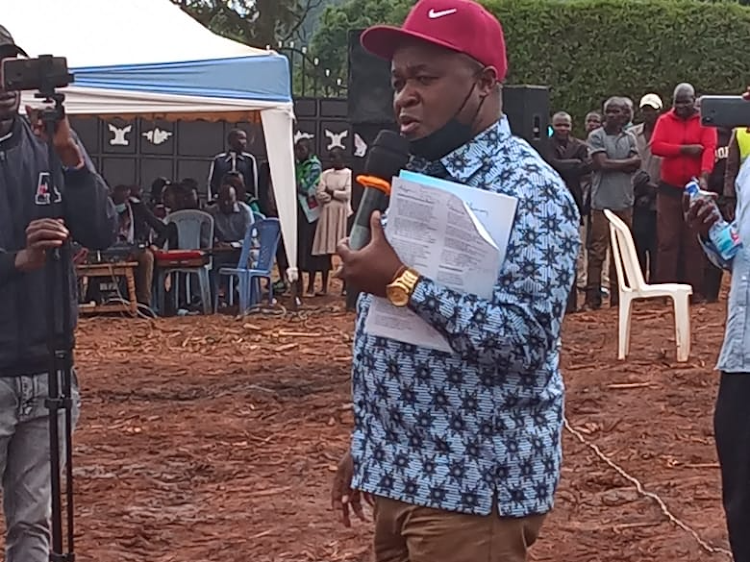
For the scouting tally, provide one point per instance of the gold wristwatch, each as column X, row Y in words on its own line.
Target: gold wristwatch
column 400, row 290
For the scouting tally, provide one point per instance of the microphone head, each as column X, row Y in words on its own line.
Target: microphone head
column 388, row 155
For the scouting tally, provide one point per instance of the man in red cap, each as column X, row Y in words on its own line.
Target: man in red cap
column 460, row 451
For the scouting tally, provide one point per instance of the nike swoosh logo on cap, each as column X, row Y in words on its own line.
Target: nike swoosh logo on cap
column 433, row 15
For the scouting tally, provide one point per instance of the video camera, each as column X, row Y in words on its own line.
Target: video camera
column 44, row 74
column 726, row 112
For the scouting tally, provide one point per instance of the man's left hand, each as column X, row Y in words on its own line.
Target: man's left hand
column 63, row 140
column 372, row 268
column 728, row 206
column 700, row 215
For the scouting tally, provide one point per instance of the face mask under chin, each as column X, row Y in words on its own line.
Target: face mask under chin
column 442, row 142
column 449, row 137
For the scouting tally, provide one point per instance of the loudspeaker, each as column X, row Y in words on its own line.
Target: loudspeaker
column 370, row 95
column 527, row 109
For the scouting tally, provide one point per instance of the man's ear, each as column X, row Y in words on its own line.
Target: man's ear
column 488, row 82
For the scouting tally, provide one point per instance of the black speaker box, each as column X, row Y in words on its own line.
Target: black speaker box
column 527, row 109
column 370, row 95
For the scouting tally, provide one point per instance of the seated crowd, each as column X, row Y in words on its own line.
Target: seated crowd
column 145, row 228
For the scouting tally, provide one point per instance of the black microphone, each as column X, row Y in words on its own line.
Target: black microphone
column 387, row 156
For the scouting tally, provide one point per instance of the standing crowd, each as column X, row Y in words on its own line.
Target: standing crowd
column 639, row 171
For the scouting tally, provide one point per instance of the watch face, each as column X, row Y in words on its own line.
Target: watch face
column 397, row 295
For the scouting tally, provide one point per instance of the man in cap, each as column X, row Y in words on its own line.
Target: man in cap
column 645, row 183
column 460, row 450
column 90, row 219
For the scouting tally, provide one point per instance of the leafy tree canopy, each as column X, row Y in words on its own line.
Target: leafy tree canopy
column 253, row 22
column 588, row 50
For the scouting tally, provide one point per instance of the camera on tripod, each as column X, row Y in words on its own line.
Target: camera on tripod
column 44, row 74
column 727, row 112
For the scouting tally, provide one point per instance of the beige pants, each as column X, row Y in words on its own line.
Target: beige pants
column 408, row 533
column 144, row 275
column 583, row 263
column 599, row 257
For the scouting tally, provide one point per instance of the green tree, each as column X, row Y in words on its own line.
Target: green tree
column 312, row 21
column 253, row 22
column 331, row 38
column 587, row 50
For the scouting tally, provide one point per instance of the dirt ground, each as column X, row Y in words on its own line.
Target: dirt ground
column 214, row 439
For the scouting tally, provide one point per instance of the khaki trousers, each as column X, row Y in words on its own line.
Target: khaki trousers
column 583, row 260
column 144, row 276
column 409, row 533
column 599, row 247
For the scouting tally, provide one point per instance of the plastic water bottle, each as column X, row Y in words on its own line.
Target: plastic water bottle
column 723, row 235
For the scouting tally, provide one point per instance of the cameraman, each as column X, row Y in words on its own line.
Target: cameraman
column 25, row 196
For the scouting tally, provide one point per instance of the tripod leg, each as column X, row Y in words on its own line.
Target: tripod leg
column 53, row 404
column 71, row 411
column 60, row 344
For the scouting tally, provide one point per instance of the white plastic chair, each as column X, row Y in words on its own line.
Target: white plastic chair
column 633, row 286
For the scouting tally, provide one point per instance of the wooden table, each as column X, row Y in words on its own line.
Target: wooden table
column 112, row 271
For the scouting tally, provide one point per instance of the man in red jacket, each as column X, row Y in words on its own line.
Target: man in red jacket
column 687, row 149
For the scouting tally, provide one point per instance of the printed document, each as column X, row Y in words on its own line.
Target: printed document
column 453, row 234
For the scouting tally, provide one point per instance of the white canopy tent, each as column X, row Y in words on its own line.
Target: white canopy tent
column 148, row 58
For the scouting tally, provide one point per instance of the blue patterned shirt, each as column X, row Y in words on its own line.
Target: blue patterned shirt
column 456, row 431
column 735, row 353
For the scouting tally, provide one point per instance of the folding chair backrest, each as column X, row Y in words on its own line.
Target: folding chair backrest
column 623, row 252
column 269, row 233
column 195, row 229
column 247, row 246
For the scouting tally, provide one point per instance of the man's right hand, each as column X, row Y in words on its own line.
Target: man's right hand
column 692, row 149
column 41, row 235
column 343, row 498
column 700, row 214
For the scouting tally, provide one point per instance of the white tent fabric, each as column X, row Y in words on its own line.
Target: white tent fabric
column 148, row 58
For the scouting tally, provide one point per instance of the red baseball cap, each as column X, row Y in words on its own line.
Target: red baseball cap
column 463, row 26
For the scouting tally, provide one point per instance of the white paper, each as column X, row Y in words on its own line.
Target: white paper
column 453, row 234
column 495, row 211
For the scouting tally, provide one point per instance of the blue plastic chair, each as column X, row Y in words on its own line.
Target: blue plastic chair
column 249, row 271
column 195, row 231
column 245, row 263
